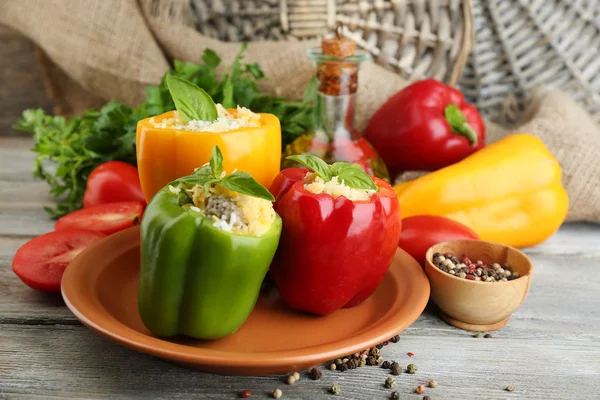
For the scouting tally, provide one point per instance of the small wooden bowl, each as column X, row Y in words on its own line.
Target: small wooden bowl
column 476, row 305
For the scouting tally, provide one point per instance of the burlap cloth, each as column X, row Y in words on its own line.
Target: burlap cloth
column 100, row 50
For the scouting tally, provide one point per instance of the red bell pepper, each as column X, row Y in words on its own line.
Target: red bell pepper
column 333, row 252
column 424, row 127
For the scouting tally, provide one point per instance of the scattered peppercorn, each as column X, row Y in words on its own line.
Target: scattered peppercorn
column 389, row 382
column 395, row 339
column 420, row 389
column 362, row 362
column 290, row 380
column 352, row 364
column 371, row 360
column 386, row 342
column 411, row 368
column 410, row 354
column 245, row 394
column 338, row 361
column 335, row 389
column 375, row 352
column 395, row 395
column 478, row 335
column 386, row 365
column 296, row 376
column 488, row 335
column 343, row 368
column 277, row 393
column 332, row 366
column 315, row 374
column 510, row 388
column 432, row 383
column 379, row 346
column 426, row 398
column 396, row 369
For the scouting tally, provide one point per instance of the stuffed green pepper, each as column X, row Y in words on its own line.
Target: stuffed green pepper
column 207, row 242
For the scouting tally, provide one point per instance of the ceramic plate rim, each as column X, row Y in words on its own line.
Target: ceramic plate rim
column 79, row 304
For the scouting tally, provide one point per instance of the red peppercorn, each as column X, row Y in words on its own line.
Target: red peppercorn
column 470, row 277
column 410, row 354
column 245, row 394
column 386, row 342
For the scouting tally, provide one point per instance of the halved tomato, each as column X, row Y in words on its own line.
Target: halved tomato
column 40, row 263
column 106, row 218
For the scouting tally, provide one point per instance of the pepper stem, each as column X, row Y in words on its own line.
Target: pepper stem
column 459, row 124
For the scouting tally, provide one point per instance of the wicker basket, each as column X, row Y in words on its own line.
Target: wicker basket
column 416, row 38
column 522, row 44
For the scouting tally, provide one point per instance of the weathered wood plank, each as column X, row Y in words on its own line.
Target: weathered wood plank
column 71, row 361
column 22, row 86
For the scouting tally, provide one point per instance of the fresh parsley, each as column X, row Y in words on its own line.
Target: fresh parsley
column 67, row 151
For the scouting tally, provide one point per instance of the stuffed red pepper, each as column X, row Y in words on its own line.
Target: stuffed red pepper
column 340, row 232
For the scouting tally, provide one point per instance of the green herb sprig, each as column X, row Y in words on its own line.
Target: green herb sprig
column 238, row 181
column 67, row 151
column 350, row 174
column 192, row 102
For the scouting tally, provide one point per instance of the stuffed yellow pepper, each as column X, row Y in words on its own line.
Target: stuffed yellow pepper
column 173, row 144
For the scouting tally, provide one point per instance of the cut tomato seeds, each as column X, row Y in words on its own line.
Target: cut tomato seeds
column 474, row 271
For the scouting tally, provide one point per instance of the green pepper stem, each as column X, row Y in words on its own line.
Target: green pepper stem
column 459, row 124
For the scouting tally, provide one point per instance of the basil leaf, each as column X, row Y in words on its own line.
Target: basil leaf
column 315, row 164
column 356, row 178
column 205, row 170
column 242, row 182
column 199, row 177
column 216, row 162
column 191, row 101
column 339, row 167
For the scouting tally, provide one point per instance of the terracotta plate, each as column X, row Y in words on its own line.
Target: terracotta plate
column 100, row 288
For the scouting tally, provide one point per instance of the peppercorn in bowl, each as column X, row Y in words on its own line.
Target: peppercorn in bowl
column 476, row 284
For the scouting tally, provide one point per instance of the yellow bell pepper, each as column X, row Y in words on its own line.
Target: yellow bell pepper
column 509, row 192
column 165, row 154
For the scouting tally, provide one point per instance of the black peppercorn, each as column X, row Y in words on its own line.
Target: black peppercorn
column 352, row 364
column 379, row 346
column 396, row 369
column 386, row 365
column 343, row 368
column 395, row 339
column 371, row 360
column 315, row 374
column 395, row 395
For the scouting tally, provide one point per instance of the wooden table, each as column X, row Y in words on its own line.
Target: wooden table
column 549, row 350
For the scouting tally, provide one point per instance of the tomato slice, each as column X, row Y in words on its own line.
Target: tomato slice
column 40, row 263
column 106, row 218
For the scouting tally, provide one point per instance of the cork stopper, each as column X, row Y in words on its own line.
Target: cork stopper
column 338, row 77
column 338, row 45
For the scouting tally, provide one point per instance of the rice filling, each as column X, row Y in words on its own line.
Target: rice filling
column 225, row 121
column 335, row 188
column 229, row 210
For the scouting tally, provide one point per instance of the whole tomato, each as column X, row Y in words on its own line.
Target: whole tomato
column 420, row 232
column 111, row 182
